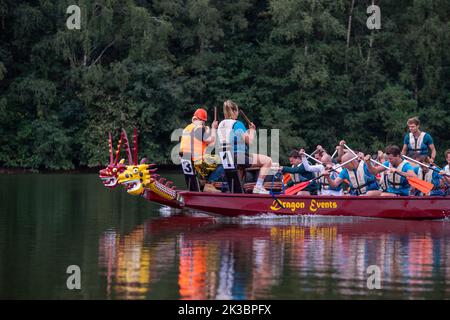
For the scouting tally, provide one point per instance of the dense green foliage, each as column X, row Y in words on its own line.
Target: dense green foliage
column 288, row 64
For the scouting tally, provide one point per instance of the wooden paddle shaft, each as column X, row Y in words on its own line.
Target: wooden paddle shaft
column 245, row 117
column 215, row 113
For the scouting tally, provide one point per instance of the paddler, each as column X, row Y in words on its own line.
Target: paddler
column 356, row 173
column 399, row 169
column 299, row 174
column 418, row 142
column 327, row 164
column 194, row 142
column 234, row 137
column 429, row 175
column 446, row 170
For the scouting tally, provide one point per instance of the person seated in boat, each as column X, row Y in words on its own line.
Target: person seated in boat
column 429, row 175
column 418, row 142
column 299, row 174
column 234, row 137
column 356, row 173
column 194, row 142
column 399, row 169
column 446, row 172
column 324, row 187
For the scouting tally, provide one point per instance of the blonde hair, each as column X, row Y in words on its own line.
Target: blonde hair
column 229, row 109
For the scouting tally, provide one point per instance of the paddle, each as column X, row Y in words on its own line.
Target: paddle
column 302, row 185
column 415, row 182
column 245, row 117
column 334, row 153
column 421, row 185
column 312, row 158
column 424, row 165
column 215, row 113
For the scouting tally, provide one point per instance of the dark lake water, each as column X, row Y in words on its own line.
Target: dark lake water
column 128, row 248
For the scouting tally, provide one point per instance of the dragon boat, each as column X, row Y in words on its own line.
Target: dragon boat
column 140, row 179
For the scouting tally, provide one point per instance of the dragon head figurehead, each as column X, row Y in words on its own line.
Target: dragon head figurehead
column 109, row 174
column 136, row 177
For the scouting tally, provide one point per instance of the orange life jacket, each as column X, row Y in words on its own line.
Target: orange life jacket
column 191, row 144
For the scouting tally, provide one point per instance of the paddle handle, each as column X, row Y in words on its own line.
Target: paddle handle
column 334, row 153
column 380, row 164
column 245, row 117
column 353, row 152
column 335, row 168
column 215, row 113
column 312, row 158
column 423, row 164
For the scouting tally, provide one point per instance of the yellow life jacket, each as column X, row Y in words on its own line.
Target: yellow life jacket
column 191, row 144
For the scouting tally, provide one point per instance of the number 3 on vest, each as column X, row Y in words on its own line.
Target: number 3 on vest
column 187, row 167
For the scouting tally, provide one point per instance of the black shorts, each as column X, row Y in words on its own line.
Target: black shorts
column 243, row 159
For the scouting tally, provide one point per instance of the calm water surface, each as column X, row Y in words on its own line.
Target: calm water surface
column 128, row 248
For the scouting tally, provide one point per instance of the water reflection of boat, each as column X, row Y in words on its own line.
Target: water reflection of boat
column 128, row 261
column 207, row 259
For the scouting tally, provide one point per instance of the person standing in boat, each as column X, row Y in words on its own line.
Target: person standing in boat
column 418, row 142
column 194, row 142
column 324, row 187
column 234, row 137
column 298, row 173
column 399, row 169
column 356, row 173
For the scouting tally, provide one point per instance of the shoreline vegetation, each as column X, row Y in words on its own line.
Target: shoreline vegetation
column 312, row 69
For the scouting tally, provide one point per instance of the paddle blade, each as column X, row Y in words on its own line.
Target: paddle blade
column 421, row 185
column 286, row 178
column 297, row 188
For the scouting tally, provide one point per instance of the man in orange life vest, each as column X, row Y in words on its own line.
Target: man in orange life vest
column 194, row 141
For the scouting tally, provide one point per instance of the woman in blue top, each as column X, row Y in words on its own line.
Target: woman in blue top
column 418, row 142
column 399, row 170
column 234, row 137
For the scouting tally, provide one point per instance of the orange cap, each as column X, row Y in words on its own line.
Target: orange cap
column 201, row 114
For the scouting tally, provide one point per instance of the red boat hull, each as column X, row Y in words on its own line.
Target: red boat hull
column 232, row 205
column 151, row 196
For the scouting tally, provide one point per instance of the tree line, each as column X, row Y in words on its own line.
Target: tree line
column 311, row 68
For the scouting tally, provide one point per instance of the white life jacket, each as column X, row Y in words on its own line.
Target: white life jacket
column 358, row 180
column 447, row 169
column 428, row 177
column 224, row 133
column 323, row 182
column 394, row 179
column 383, row 181
column 415, row 145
